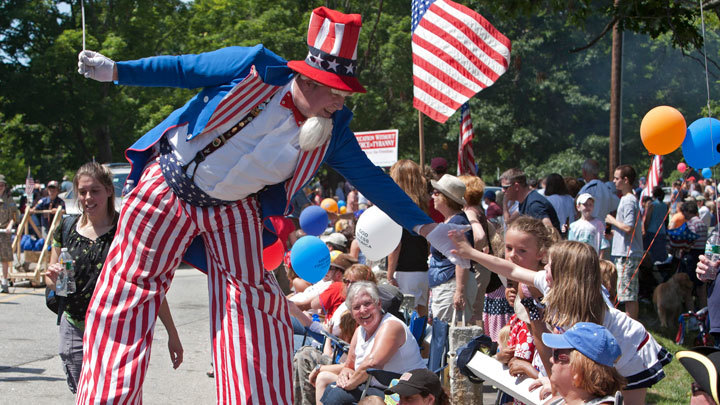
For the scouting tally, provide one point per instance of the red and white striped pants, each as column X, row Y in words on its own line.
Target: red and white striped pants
column 249, row 319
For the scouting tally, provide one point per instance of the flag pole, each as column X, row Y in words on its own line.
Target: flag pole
column 422, row 141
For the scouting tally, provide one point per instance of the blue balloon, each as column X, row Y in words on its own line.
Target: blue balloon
column 358, row 213
column 706, row 173
column 700, row 147
column 313, row 220
column 310, row 258
column 341, row 203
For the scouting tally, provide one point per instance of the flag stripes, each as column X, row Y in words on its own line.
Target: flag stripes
column 456, row 53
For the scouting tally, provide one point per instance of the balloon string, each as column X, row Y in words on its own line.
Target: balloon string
column 82, row 11
column 707, row 78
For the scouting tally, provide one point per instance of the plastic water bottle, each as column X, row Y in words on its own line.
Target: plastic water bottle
column 66, row 260
column 712, row 252
column 315, row 318
column 129, row 186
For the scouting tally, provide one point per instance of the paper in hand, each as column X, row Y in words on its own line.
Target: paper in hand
column 440, row 240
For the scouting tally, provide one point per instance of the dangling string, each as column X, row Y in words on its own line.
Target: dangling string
column 707, row 86
column 82, row 11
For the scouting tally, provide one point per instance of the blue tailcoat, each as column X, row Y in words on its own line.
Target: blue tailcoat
column 217, row 73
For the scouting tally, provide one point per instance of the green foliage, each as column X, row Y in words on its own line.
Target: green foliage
column 546, row 114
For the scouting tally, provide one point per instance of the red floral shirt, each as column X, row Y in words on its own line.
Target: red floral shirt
column 521, row 338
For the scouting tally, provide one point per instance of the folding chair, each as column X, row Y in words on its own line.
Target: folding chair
column 340, row 346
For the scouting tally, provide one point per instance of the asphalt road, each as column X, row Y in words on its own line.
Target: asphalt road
column 31, row 371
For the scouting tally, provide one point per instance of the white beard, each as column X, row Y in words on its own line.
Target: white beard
column 315, row 132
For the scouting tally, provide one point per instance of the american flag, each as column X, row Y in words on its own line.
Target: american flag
column 654, row 175
column 466, row 157
column 29, row 185
column 456, row 53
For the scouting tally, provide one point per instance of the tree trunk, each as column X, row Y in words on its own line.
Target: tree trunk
column 104, row 150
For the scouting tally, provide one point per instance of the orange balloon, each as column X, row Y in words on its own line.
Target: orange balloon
column 329, row 205
column 663, row 130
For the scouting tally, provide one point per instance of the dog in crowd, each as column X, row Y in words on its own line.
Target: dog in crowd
column 673, row 297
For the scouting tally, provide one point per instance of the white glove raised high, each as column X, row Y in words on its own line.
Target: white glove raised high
column 95, row 66
column 438, row 237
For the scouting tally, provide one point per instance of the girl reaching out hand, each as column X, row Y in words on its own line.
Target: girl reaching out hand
column 571, row 284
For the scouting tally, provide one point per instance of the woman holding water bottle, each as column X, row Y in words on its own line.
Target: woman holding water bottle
column 86, row 238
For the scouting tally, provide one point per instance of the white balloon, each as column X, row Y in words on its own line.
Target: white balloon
column 377, row 234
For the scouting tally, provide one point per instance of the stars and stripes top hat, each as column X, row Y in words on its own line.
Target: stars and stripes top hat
column 332, row 57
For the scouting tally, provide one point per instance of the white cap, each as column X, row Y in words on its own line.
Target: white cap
column 582, row 198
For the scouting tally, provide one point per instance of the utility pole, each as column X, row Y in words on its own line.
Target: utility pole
column 615, row 96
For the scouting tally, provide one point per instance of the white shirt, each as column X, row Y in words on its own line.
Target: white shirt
column 605, row 200
column 630, row 334
column 705, row 215
column 591, row 232
column 312, row 291
column 250, row 160
column 406, row 358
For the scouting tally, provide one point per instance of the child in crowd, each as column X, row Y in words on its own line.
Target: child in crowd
column 503, row 338
column 609, row 276
column 588, row 229
column 572, row 287
column 627, row 244
column 526, row 241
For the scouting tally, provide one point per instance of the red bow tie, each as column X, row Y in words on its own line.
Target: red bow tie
column 288, row 103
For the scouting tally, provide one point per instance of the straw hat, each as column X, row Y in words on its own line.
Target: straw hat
column 451, row 187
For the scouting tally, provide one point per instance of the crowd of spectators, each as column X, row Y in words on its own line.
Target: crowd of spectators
column 525, row 222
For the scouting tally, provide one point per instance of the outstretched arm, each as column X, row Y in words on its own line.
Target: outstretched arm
column 185, row 71
column 499, row 266
column 174, row 345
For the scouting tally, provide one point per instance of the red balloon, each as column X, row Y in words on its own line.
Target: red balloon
column 273, row 255
column 681, row 167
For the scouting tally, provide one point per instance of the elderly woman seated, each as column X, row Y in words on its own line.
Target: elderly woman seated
column 381, row 341
column 583, row 361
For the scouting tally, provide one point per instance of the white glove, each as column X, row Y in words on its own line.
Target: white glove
column 95, row 66
column 440, row 240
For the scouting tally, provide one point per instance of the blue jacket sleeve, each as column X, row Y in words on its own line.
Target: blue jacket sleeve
column 348, row 158
column 193, row 71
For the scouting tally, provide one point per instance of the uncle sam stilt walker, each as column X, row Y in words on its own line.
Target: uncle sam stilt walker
column 205, row 178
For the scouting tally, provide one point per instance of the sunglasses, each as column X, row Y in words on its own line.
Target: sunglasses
column 505, row 187
column 560, row 357
column 347, row 282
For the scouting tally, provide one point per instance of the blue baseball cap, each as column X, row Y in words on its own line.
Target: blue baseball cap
column 489, row 194
column 590, row 339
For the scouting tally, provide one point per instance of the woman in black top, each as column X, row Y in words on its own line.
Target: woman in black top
column 87, row 238
column 407, row 265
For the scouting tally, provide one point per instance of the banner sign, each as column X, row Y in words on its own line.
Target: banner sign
column 381, row 147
